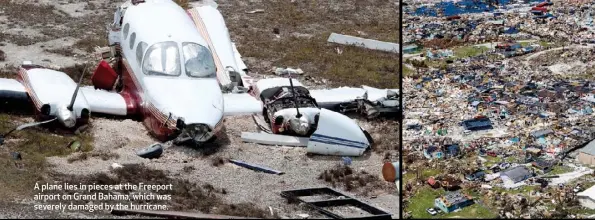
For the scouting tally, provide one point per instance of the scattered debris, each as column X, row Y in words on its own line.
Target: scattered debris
column 16, row 156
column 362, row 42
column 287, row 71
column 218, row 161
column 75, row 145
column 274, row 139
column 255, row 11
column 346, row 161
column 256, row 167
column 116, row 166
column 339, row 199
column 391, row 171
column 152, row 152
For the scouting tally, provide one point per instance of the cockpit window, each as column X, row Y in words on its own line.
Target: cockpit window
column 162, row 59
column 198, row 61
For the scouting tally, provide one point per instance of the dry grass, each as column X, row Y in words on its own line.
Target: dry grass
column 183, row 3
column 34, row 145
column 86, row 155
column 185, row 195
column 218, row 161
column 64, row 51
column 89, row 44
column 53, row 23
column 75, row 72
column 304, row 27
column 351, row 180
column 386, row 136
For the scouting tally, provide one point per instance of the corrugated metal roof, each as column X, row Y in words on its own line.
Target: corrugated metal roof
column 589, row 149
column 456, row 197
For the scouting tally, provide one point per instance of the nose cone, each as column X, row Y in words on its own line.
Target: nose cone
column 198, row 101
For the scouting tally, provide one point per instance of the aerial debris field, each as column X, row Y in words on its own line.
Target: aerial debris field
column 219, row 178
column 498, row 109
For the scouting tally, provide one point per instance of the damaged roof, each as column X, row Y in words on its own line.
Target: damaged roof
column 517, row 174
column 452, row 198
column 589, row 149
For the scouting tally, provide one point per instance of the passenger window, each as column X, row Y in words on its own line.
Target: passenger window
column 132, row 39
column 140, row 48
column 125, row 31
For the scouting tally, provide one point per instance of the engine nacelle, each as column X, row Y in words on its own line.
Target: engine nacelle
column 104, row 77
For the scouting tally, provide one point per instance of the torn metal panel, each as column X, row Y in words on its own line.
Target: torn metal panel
column 342, row 200
column 362, row 42
column 337, row 135
column 274, row 139
column 256, row 167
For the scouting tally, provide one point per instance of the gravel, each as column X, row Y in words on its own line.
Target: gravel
column 242, row 185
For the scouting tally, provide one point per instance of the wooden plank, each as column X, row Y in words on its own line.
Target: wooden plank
column 274, row 139
column 173, row 214
column 362, row 42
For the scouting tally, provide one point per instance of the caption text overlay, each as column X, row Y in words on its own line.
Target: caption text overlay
column 98, row 197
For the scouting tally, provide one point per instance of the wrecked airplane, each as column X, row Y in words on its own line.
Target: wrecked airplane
column 182, row 80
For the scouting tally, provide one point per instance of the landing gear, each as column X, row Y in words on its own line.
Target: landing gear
column 185, row 139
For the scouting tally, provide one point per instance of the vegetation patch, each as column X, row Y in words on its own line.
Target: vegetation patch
column 185, row 195
column 33, row 145
column 351, row 180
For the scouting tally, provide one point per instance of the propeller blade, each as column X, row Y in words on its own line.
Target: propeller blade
column 76, row 91
column 23, row 126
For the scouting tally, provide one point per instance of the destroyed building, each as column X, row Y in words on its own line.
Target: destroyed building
column 586, row 155
column 452, row 201
column 516, row 174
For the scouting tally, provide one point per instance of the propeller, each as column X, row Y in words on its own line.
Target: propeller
column 295, row 98
column 33, row 124
column 76, row 91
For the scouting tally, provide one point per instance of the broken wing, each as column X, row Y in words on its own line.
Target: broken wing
column 49, row 89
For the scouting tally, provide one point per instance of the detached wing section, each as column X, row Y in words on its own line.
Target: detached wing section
column 101, row 101
column 12, row 89
column 241, row 104
column 367, row 100
column 332, row 98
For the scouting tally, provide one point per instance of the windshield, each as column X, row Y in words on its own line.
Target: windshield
column 198, row 61
column 162, row 59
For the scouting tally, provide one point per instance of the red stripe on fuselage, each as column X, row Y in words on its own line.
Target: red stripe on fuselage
column 153, row 119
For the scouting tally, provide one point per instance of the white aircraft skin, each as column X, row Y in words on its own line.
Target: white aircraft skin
column 163, row 99
column 187, row 103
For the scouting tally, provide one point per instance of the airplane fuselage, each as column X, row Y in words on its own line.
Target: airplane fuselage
column 167, row 73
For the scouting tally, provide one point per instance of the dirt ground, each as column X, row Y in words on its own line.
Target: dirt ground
column 63, row 35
